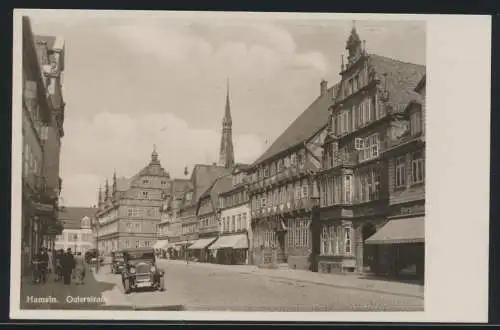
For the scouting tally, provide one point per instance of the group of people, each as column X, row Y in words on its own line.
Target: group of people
column 67, row 266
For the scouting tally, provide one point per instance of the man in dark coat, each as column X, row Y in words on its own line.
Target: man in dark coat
column 67, row 264
column 44, row 259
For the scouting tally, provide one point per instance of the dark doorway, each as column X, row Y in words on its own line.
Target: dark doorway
column 369, row 250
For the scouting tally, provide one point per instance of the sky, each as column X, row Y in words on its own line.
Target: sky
column 133, row 81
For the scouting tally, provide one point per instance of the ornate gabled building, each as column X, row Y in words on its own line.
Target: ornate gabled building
column 282, row 189
column 42, row 130
column 129, row 210
column 354, row 181
column 226, row 153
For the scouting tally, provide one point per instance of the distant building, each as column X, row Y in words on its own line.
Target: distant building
column 234, row 244
column 354, row 183
column 77, row 232
column 42, row 123
column 129, row 211
column 183, row 221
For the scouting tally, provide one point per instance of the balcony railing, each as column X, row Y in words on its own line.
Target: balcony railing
column 285, row 207
column 285, row 174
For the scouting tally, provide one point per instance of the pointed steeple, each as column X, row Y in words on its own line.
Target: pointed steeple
column 227, row 114
column 353, row 44
column 226, row 153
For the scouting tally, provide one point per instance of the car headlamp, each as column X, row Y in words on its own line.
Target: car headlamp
column 132, row 270
column 153, row 268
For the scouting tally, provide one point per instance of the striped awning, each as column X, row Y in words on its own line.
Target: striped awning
column 202, row 243
column 238, row 241
column 400, row 231
column 161, row 244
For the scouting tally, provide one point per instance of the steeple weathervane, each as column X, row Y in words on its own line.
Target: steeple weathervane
column 353, row 44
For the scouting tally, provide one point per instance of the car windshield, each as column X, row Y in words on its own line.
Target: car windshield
column 140, row 255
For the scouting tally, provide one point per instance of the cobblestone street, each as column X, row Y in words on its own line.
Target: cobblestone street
column 245, row 288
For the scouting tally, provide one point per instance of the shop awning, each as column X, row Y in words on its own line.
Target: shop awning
column 232, row 241
column 202, row 243
column 161, row 244
column 398, row 231
column 183, row 243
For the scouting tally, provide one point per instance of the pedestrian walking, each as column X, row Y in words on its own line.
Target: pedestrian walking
column 67, row 264
column 79, row 268
column 58, row 271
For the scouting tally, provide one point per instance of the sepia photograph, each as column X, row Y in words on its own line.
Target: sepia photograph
column 223, row 163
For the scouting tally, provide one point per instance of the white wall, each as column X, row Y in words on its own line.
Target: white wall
column 237, row 210
column 84, row 240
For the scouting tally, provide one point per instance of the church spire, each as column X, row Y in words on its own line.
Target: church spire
column 226, row 154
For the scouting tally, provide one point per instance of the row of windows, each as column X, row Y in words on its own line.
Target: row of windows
column 189, row 228
column 234, row 199
column 336, row 190
column 234, row 223
column 336, row 240
column 349, row 120
column 208, row 221
column 143, row 212
column 75, row 237
column 113, row 245
column 268, row 170
column 238, row 178
column 416, row 172
column 282, row 194
column 298, row 234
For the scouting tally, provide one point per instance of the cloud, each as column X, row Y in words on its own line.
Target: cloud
column 109, row 141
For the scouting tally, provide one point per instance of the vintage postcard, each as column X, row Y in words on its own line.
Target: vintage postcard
column 249, row 166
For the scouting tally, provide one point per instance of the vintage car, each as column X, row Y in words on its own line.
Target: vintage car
column 117, row 262
column 141, row 271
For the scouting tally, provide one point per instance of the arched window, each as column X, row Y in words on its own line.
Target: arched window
column 85, row 222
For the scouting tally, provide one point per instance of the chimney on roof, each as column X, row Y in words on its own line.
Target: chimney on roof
column 323, row 87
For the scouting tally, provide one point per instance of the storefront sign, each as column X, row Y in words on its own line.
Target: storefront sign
column 43, row 208
column 420, row 208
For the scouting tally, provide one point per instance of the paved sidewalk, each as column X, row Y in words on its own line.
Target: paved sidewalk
column 56, row 295
column 348, row 281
